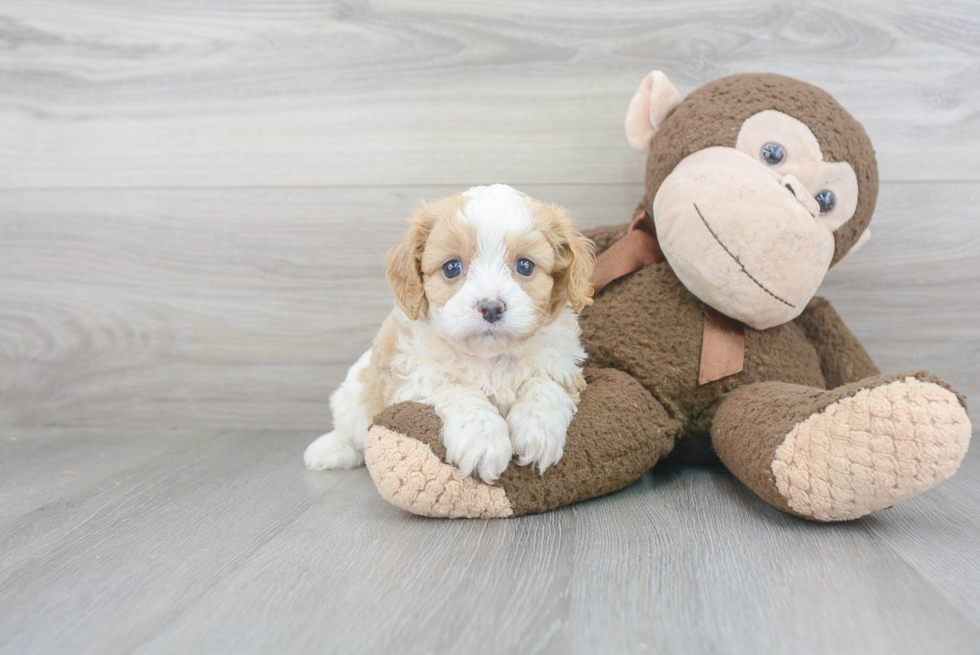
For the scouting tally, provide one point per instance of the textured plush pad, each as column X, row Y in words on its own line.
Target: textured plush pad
column 410, row 476
column 618, row 434
column 871, row 450
column 909, row 423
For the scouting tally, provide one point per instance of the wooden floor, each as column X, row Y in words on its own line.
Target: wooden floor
column 195, row 199
column 216, row 541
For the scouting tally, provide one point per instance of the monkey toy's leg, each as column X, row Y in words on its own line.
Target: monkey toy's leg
column 619, row 432
column 841, row 454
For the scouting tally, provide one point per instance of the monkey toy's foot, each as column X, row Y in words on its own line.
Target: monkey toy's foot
column 618, row 433
column 407, row 462
column 842, row 454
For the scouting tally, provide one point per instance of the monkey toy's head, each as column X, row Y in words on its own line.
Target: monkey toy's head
column 757, row 185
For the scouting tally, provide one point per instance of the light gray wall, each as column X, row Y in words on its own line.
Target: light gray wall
column 195, row 198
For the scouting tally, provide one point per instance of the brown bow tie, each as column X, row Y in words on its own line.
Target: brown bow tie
column 636, row 249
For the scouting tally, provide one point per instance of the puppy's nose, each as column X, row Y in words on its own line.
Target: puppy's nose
column 492, row 310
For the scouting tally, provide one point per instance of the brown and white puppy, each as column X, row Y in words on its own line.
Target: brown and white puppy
column 487, row 284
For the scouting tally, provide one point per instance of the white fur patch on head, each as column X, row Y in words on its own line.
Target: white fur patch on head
column 496, row 210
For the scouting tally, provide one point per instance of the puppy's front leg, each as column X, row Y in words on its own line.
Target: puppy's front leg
column 474, row 433
column 538, row 422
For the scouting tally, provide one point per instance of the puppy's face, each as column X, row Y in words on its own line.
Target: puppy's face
column 488, row 267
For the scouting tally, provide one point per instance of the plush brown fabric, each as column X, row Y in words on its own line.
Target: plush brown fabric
column 618, row 434
column 842, row 357
column 649, row 325
column 417, row 421
column 754, row 420
column 751, row 424
column 712, row 115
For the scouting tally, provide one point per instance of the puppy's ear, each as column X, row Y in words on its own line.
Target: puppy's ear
column 574, row 259
column 403, row 265
column 580, row 253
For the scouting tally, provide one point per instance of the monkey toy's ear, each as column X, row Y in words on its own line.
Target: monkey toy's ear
column 863, row 239
column 651, row 104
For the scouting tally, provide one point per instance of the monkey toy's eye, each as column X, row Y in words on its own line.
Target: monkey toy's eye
column 827, row 201
column 524, row 266
column 772, row 154
column 452, row 269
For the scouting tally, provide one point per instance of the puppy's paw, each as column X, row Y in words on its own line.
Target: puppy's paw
column 332, row 451
column 477, row 441
column 538, row 435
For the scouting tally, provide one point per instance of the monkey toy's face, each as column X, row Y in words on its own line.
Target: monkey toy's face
column 748, row 217
column 762, row 213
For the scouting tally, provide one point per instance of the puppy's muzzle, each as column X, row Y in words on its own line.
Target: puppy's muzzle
column 492, row 310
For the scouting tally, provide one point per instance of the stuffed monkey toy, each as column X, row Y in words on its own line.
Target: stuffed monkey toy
column 705, row 340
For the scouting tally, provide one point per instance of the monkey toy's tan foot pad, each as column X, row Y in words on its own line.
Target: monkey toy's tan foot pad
column 618, row 433
column 859, row 448
column 410, row 471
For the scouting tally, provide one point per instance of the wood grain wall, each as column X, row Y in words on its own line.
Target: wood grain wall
column 195, row 197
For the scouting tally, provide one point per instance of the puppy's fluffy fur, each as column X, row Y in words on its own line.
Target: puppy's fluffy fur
column 501, row 386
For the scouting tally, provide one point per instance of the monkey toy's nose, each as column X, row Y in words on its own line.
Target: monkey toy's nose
column 492, row 310
column 802, row 195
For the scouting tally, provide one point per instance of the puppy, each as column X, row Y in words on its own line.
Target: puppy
column 487, row 284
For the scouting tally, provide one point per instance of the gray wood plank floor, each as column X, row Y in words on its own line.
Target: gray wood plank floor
column 195, row 198
column 217, row 541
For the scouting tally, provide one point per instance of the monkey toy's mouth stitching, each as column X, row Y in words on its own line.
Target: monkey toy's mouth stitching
column 740, row 265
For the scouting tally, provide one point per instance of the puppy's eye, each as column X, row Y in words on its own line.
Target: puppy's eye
column 827, row 201
column 524, row 266
column 452, row 269
column 772, row 154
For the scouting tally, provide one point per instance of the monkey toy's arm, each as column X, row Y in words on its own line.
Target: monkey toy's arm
column 842, row 357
